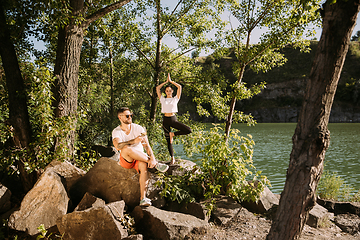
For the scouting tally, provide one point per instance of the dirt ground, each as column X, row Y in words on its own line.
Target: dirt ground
column 248, row 226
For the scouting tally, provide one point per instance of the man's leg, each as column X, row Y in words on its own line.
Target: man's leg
column 143, row 179
column 129, row 154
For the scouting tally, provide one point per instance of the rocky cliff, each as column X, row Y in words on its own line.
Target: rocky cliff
column 281, row 102
column 282, row 98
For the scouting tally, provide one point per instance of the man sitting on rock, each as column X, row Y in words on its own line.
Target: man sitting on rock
column 131, row 139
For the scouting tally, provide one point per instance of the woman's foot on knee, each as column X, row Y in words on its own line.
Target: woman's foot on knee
column 171, row 134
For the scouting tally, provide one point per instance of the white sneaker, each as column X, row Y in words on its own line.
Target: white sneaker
column 161, row 167
column 145, row 202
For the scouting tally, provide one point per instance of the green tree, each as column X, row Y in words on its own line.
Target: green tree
column 20, row 18
column 285, row 25
column 16, row 19
column 71, row 20
column 312, row 137
column 105, row 58
column 188, row 23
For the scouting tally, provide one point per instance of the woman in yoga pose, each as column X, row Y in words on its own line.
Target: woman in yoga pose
column 169, row 108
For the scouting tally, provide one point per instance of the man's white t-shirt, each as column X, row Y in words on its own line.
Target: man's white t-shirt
column 169, row 105
column 135, row 131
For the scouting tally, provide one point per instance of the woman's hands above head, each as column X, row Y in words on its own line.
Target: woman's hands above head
column 168, row 78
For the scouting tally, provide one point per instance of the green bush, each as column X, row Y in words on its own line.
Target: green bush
column 225, row 168
column 332, row 186
column 356, row 197
column 45, row 128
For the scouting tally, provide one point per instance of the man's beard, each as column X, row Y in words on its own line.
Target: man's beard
column 127, row 121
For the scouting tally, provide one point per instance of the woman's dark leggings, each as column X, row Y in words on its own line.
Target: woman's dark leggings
column 172, row 122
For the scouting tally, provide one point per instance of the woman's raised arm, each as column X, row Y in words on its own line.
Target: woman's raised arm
column 159, row 87
column 178, row 93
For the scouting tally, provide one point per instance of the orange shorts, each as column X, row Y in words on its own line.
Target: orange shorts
column 128, row 165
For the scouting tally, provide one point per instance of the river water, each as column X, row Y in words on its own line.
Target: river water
column 273, row 144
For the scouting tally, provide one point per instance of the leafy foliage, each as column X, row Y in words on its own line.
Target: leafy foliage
column 45, row 128
column 43, row 234
column 284, row 23
column 225, row 167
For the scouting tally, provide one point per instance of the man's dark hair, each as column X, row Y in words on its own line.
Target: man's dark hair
column 122, row 109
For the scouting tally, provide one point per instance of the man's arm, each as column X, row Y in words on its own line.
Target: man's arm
column 147, row 147
column 119, row 145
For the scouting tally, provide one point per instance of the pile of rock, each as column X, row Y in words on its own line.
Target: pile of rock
column 97, row 205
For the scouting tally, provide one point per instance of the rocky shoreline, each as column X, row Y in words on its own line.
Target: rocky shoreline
column 103, row 204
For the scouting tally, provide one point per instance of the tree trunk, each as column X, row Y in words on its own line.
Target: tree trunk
column 232, row 105
column 154, row 97
column 66, row 70
column 312, row 137
column 18, row 112
column 157, row 66
column 65, row 90
column 112, row 101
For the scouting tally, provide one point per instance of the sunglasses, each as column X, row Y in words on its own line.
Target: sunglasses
column 128, row 115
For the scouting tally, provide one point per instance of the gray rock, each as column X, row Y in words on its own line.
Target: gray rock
column 226, row 209
column 340, row 207
column 111, row 182
column 5, row 195
column 154, row 223
column 153, row 191
column 89, row 201
column 181, row 166
column 94, row 223
column 43, row 204
column 267, row 201
column 195, row 209
column 134, row 237
column 349, row 223
column 319, row 217
column 294, row 91
column 66, row 170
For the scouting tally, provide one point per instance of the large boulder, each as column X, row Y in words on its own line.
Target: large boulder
column 69, row 172
column 111, row 182
column 95, row 223
column 226, row 209
column 153, row 190
column 159, row 224
column 181, row 166
column 134, row 237
column 89, row 201
column 349, row 223
column 319, row 217
column 340, row 207
column 268, row 200
column 43, row 204
column 5, row 195
column 194, row 208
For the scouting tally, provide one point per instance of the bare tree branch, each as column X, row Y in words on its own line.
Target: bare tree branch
column 172, row 13
column 171, row 60
column 142, row 53
column 102, row 12
column 166, row 30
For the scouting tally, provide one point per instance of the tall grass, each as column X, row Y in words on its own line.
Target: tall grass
column 333, row 187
